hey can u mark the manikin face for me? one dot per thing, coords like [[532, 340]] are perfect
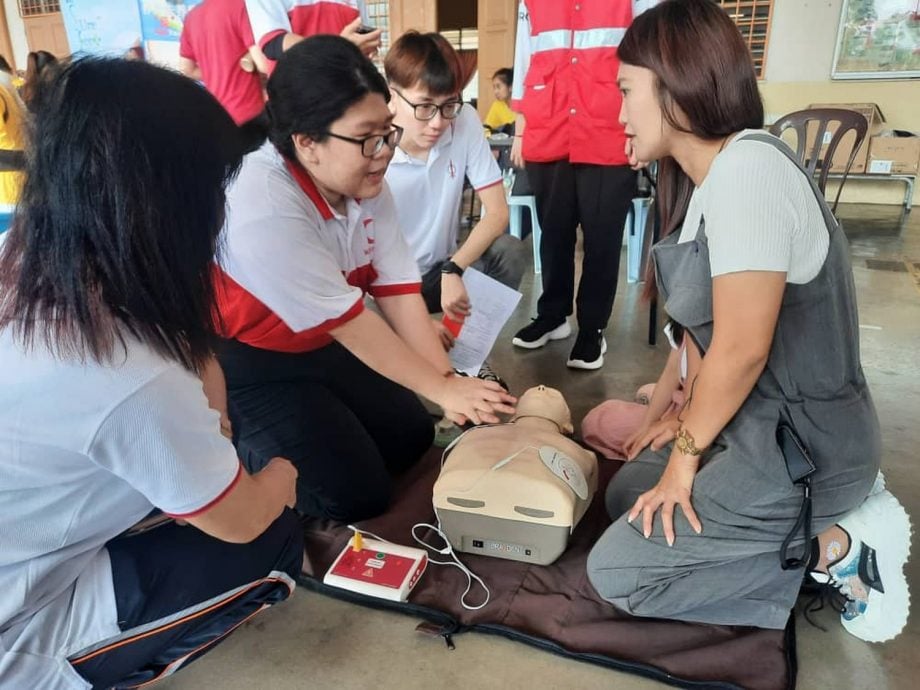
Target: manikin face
[[548, 403], [419, 134], [500, 90], [641, 113], [339, 167]]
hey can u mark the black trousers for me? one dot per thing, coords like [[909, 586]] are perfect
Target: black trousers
[[345, 427], [598, 198], [179, 592]]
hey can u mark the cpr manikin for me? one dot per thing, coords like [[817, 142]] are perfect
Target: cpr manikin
[[517, 490]]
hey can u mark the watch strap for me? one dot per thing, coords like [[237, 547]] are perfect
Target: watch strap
[[450, 267]]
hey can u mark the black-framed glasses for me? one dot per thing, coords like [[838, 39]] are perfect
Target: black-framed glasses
[[427, 111], [373, 144]]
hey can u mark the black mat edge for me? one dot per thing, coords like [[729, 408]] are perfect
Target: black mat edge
[[451, 627]]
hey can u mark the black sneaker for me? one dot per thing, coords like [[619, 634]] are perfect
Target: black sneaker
[[541, 331], [589, 350]]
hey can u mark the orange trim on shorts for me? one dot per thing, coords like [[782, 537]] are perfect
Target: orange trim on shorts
[[181, 621], [171, 667]]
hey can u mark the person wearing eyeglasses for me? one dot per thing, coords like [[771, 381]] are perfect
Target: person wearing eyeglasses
[[442, 144], [311, 374]]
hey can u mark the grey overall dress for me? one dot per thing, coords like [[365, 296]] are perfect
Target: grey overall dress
[[730, 574]]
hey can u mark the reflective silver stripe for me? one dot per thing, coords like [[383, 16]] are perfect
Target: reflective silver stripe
[[598, 38], [557, 39], [552, 40]]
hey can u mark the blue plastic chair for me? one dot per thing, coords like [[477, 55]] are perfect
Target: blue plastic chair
[[516, 205]]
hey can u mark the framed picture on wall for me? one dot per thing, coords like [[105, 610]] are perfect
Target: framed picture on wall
[[878, 39]]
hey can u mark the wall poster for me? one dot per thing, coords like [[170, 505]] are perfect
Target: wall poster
[[878, 39]]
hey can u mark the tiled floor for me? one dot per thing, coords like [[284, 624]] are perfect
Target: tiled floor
[[316, 642]]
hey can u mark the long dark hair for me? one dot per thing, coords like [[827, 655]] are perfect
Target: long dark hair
[[313, 85], [704, 69], [117, 225]]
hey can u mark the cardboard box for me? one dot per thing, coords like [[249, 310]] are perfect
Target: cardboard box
[[873, 115], [898, 155]]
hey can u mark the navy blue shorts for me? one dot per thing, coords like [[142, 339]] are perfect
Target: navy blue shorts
[[179, 592]]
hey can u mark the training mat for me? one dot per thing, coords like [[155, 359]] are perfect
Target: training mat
[[554, 607]]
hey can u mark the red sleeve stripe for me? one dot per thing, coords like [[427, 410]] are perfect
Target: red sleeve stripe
[[332, 324], [269, 36], [221, 496], [491, 184], [393, 290]]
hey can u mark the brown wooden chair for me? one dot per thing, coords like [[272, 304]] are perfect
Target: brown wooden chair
[[803, 120]]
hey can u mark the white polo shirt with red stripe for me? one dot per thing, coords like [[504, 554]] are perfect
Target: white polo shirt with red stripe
[[86, 451], [428, 193], [271, 18], [291, 268]]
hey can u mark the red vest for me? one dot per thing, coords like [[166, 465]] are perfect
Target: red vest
[[571, 100]]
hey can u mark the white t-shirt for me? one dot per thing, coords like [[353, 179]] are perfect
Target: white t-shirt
[[292, 268], [86, 451], [761, 214], [428, 193]]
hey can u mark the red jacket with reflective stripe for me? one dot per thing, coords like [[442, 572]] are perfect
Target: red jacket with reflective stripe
[[571, 101]]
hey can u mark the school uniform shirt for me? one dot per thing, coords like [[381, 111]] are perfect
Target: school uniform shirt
[[272, 18], [428, 193], [86, 451], [291, 268], [216, 34]]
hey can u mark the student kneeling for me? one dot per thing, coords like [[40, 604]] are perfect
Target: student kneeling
[[311, 230], [105, 302]]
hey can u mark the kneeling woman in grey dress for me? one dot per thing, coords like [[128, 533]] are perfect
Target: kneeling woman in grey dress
[[759, 276]]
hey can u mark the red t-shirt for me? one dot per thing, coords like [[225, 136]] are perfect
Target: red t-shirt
[[216, 35]]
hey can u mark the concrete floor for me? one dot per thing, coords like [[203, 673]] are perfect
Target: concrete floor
[[315, 642]]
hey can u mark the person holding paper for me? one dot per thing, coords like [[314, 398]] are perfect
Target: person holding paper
[[311, 230], [442, 144]]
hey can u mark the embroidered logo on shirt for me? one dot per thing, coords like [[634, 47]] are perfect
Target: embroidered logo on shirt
[[369, 236]]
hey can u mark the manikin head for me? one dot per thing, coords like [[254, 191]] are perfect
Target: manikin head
[[545, 403]]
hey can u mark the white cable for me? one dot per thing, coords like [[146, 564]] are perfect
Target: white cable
[[456, 563]]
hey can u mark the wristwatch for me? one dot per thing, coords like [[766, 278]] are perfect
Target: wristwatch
[[450, 267], [685, 443]]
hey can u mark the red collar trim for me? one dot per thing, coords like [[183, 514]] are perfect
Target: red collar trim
[[309, 188]]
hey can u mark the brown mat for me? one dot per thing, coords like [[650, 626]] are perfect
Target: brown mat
[[555, 608]]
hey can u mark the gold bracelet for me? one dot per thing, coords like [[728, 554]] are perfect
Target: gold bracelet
[[685, 443]]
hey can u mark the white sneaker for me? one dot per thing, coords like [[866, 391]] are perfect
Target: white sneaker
[[879, 484], [871, 575]]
